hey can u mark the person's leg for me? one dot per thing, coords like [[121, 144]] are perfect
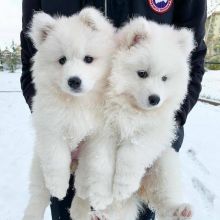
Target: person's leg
[[60, 209], [147, 214], [179, 140]]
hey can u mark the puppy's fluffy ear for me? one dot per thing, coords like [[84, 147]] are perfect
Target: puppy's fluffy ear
[[186, 40], [41, 26], [95, 20], [133, 33]]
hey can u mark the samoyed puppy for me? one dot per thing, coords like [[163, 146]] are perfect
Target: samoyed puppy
[[147, 84], [70, 69]]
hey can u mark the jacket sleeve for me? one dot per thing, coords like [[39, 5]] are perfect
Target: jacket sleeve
[[192, 14], [27, 49]]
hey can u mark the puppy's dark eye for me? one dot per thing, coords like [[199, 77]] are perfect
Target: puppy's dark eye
[[142, 73], [62, 60], [88, 59], [164, 78]]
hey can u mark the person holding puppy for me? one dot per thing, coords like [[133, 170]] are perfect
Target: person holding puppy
[[189, 14]]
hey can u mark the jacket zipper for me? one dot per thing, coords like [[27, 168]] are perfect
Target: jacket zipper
[[106, 8]]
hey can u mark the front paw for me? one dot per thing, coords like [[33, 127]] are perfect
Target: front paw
[[58, 186], [177, 212], [80, 209], [122, 191], [98, 215], [100, 201], [82, 190], [183, 212]]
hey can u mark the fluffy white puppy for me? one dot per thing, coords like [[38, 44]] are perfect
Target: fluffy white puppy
[[70, 69], [148, 83]]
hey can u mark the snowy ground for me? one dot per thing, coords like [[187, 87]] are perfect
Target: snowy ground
[[211, 85], [199, 154]]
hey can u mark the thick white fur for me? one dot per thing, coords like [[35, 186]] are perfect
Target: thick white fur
[[134, 133], [161, 188], [63, 118]]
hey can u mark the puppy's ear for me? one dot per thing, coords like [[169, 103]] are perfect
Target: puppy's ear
[[95, 20], [186, 40], [41, 26], [133, 33]]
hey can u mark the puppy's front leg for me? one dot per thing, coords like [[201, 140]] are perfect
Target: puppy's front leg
[[161, 188], [133, 157], [39, 195], [55, 158], [80, 209], [95, 171]]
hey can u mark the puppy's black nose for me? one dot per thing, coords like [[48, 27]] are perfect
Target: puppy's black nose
[[74, 82], [154, 99]]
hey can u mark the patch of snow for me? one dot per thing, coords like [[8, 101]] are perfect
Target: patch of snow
[[10, 81], [16, 144], [200, 161], [211, 85]]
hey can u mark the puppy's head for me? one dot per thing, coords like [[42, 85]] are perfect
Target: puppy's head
[[151, 65], [73, 53]]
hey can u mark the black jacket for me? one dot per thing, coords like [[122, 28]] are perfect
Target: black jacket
[[181, 13]]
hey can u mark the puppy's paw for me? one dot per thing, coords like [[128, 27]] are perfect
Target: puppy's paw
[[122, 191], [98, 215], [80, 209], [82, 190], [58, 192], [100, 202], [81, 183], [58, 187], [183, 212]]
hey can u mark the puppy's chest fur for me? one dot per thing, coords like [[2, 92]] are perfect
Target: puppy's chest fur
[[124, 122], [80, 124], [71, 121]]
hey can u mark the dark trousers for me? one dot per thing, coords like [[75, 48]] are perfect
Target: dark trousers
[[60, 209]]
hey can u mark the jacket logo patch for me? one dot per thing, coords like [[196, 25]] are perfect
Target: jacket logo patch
[[160, 6]]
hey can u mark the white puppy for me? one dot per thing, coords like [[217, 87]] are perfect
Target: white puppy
[[148, 83], [70, 69]]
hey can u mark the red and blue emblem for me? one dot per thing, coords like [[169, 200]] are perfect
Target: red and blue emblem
[[160, 6]]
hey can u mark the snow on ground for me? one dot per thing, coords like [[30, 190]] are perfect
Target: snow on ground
[[16, 143], [211, 85], [200, 157], [199, 153]]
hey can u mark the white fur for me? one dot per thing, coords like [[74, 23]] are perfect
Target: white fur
[[62, 117], [161, 187], [134, 133]]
